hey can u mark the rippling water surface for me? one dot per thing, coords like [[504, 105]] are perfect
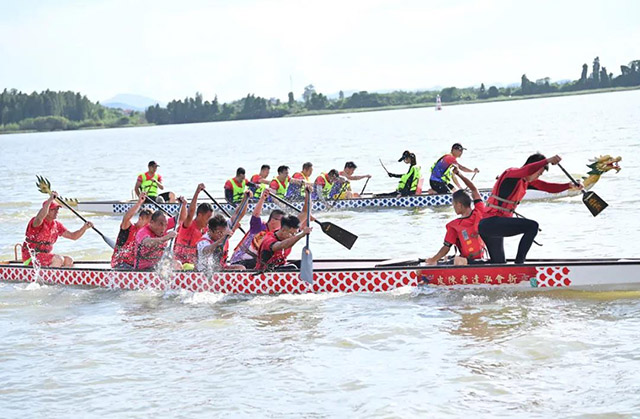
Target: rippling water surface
[[73, 352]]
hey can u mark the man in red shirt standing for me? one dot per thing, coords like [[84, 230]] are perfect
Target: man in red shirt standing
[[43, 231], [507, 193], [463, 232]]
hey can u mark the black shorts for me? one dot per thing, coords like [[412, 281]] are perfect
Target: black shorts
[[440, 187]]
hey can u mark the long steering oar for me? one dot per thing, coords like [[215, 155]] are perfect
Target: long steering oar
[[306, 261], [44, 186], [224, 211], [339, 234], [594, 203]]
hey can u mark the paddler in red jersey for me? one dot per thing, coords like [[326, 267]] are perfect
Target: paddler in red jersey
[[296, 191], [213, 247], [276, 246], [509, 189], [43, 231], [463, 232], [152, 239], [192, 229], [124, 254]]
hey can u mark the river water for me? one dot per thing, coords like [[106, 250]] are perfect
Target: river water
[[77, 352]]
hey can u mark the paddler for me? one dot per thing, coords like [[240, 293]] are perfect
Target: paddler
[[347, 173], [463, 231], [280, 184], [507, 193], [259, 182], [276, 246], [296, 191], [192, 229], [150, 182], [246, 252], [213, 247], [124, 254], [43, 231], [152, 239], [329, 185], [441, 178], [409, 182], [234, 188]]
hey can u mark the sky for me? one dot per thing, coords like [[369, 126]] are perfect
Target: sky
[[172, 49]]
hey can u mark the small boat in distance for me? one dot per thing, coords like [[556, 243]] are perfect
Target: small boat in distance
[[438, 103]]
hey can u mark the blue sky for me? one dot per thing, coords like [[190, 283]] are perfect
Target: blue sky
[[170, 49]]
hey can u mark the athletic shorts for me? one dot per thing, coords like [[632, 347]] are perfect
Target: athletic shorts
[[440, 187]]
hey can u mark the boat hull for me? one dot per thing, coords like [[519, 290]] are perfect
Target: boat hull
[[355, 276], [368, 202]]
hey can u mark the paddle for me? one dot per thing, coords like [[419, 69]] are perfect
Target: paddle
[[339, 234], [594, 203], [44, 186], [306, 261], [385, 169], [167, 256], [365, 185], [238, 214], [158, 206], [221, 208]]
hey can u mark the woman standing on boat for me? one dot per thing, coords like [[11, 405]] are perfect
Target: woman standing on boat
[[510, 188], [409, 182]]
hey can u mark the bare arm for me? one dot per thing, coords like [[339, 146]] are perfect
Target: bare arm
[[138, 187], [474, 191], [157, 241], [75, 235], [464, 169], [193, 206], [126, 220], [291, 241], [208, 250], [441, 253]]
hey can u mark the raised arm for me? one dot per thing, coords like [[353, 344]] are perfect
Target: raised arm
[[44, 210], [193, 206], [475, 194], [257, 211], [126, 220], [291, 241]]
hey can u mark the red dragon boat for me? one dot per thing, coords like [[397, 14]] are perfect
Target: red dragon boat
[[347, 276]]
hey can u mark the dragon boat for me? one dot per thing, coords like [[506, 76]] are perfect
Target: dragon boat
[[598, 166], [347, 276]]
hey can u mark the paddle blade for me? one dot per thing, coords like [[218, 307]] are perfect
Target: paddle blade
[[109, 241], [339, 234], [306, 266], [595, 204]]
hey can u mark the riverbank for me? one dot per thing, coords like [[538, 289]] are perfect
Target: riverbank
[[367, 109]]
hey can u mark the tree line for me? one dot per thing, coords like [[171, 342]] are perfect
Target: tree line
[[48, 110], [52, 111]]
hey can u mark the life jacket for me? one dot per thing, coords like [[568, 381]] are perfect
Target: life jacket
[[328, 186], [469, 242], [282, 189], [251, 247], [148, 256], [267, 258], [238, 190], [218, 258], [506, 204], [415, 171], [257, 190], [299, 189], [441, 172], [149, 185], [126, 252], [186, 250], [41, 239]]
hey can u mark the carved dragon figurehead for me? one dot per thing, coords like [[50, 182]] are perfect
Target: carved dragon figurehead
[[598, 166]]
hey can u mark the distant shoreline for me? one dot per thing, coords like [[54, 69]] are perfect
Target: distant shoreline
[[377, 109]]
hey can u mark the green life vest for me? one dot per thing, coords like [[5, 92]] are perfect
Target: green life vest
[[415, 171], [238, 191], [282, 189], [326, 190], [149, 186], [302, 187], [259, 189]]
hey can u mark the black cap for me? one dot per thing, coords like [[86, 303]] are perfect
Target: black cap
[[457, 146], [350, 165], [153, 163], [406, 154]]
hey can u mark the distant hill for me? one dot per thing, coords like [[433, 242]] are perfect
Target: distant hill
[[131, 102]]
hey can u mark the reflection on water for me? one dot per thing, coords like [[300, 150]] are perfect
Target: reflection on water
[[407, 353]]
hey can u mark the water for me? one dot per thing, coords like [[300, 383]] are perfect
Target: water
[[68, 352]]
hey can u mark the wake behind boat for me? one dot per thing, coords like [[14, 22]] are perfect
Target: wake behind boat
[[348, 276]]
